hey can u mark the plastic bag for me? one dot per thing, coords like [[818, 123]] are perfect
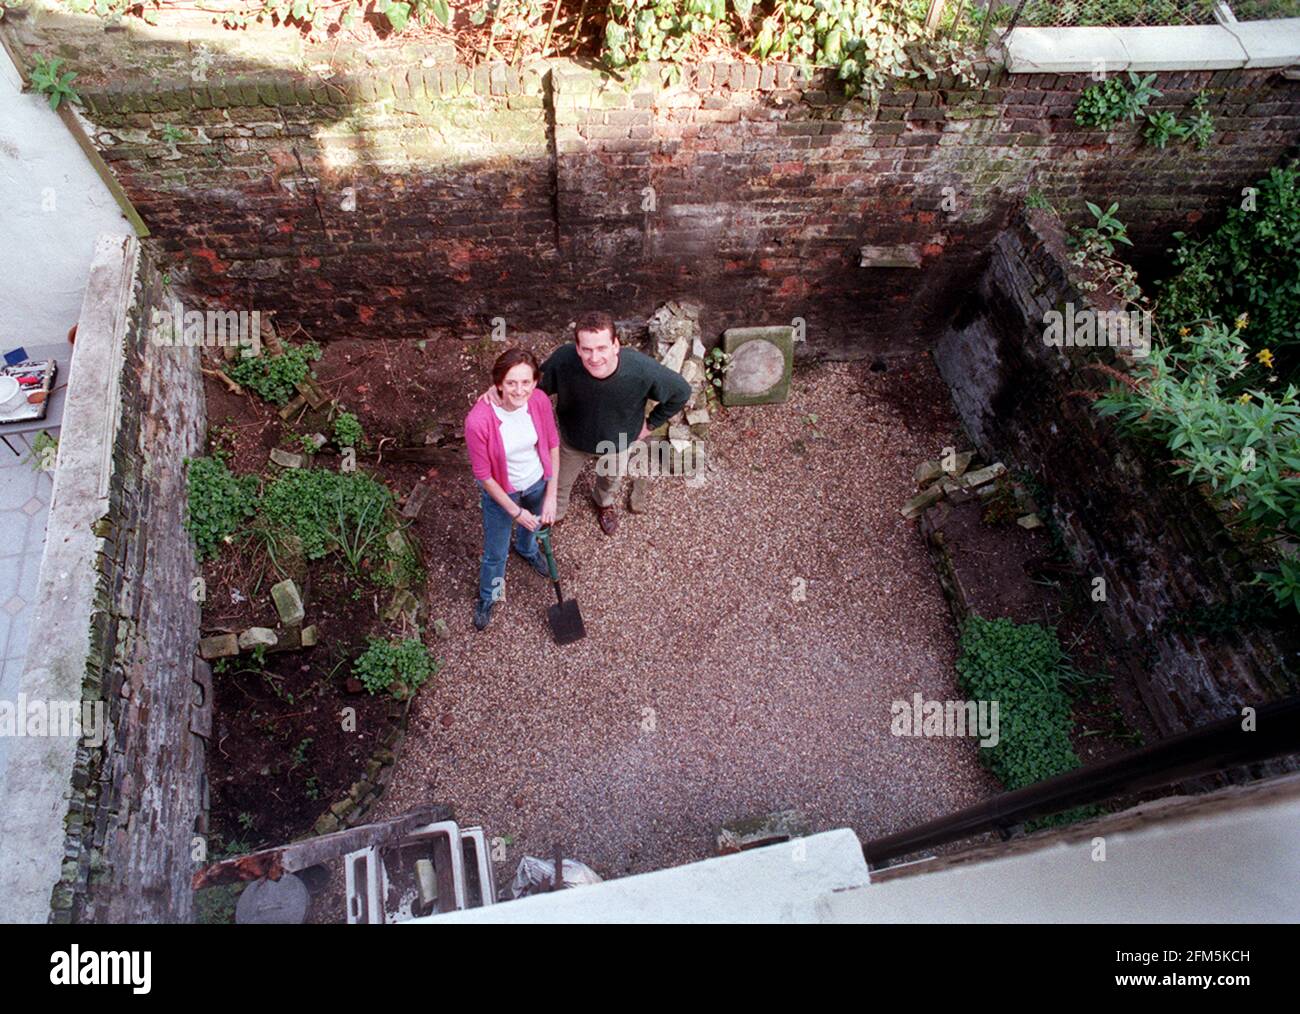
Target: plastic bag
[[535, 876]]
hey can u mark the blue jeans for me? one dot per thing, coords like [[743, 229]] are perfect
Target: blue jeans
[[496, 539]]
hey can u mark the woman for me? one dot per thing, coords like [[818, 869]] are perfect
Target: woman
[[514, 450]]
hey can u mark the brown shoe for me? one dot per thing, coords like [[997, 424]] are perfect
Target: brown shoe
[[608, 519]]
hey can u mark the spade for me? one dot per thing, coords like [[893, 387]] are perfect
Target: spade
[[564, 617]]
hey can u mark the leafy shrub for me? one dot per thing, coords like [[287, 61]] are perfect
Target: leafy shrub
[[1246, 448], [274, 377], [345, 511], [400, 667], [218, 503], [1023, 668], [1105, 104], [47, 80], [1249, 267], [869, 42], [347, 430], [1162, 127]]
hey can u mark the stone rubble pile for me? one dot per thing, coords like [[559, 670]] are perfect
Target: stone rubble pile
[[675, 331], [959, 485]]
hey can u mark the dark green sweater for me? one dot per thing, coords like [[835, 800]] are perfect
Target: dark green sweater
[[592, 411]]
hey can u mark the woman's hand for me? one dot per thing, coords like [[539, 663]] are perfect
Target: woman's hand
[[528, 519], [548, 509]]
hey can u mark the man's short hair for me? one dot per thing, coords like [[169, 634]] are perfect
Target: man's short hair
[[595, 320]]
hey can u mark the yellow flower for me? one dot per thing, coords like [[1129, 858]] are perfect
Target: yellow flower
[[1265, 357], [1244, 399], [1184, 331], [1242, 321]]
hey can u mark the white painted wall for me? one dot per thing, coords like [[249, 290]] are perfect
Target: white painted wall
[[45, 255]]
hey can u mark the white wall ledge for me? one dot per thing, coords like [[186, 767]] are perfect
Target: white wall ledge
[[1248, 44]]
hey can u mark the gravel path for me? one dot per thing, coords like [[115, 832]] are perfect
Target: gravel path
[[704, 692]]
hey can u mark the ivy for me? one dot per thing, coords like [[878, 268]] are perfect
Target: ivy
[[275, 377], [219, 503], [347, 430], [399, 667], [345, 511], [1022, 667]]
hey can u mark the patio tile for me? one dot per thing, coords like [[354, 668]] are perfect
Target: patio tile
[[13, 532], [35, 540], [17, 486]]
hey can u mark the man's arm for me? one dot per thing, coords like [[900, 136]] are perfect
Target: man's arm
[[547, 382], [670, 389]]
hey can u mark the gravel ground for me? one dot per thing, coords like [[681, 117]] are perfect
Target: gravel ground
[[704, 692]]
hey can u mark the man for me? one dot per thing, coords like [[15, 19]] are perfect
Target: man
[[601, 392]]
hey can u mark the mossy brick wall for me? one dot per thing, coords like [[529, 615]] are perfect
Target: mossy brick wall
[[137, 802], [414, 197], [1162, 550]]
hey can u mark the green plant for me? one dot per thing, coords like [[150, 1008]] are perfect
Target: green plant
[[299, 756], [1200, 125], [1105, 104], [345, 511], [347, 430], [717, 364], [44, 455], [172, 134], [1247, 270], [1035, 199], [1245, 449], [1095, 253], [312, 788], [400, 667], [307, 443], [868, 43], [219, 503], [47, 80], [1161, 127], [246, 821], [275, 377], [425, 12], [1023, 668]]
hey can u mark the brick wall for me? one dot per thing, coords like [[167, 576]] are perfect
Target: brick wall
[[1163, 552], [522, 192], [137, 802]]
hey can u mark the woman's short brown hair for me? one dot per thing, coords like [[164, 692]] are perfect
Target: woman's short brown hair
[[511, 358]]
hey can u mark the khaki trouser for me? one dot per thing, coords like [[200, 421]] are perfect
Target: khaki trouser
[[609, 477]]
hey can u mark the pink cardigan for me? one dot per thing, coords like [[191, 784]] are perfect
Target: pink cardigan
[[487, 452]]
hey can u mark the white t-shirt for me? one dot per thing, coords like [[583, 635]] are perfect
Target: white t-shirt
[[519, 435]]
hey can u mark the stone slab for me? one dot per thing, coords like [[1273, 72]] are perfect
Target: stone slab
[[762, 359]]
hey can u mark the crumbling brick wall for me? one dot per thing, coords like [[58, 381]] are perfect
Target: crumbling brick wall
[[1167, 559], [137, 802], [399, 195]]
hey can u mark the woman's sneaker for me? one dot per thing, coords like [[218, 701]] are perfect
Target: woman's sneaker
[[482, 614]]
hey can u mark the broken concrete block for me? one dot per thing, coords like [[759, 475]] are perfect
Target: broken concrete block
[[697, 349], [697, 417], [762, 359], [926, 472], [286, 459], [310, 635], [298, 402], [677, 355], [255, 637], [921, 501], [767, 829], [441, 631], [401, 602], [415, 500], [900, 256], [218, 646], [961, 462], [1030, 521], [693, 372], [973, 480], [288, 603], [396, 542]]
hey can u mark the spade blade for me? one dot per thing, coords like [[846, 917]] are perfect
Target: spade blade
[[566, 622]]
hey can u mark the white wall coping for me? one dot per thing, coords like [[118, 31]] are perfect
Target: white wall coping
[[1249, 44]]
